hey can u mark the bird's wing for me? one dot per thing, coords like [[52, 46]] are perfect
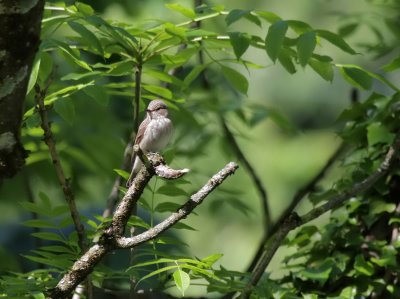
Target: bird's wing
[[138, 139], [141, 130]]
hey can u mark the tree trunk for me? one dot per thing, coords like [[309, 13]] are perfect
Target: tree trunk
[[19, 40]]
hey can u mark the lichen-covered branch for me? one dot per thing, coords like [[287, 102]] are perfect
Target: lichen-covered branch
[[112, 236], [182, 212], [19, 40], [294, 221]]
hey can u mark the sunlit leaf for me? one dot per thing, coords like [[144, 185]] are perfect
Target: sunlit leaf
[[34, 74], [392, 65], [378, 133], [122, 173], [299, 27], [363, 267], [182, 280], [187, 12]]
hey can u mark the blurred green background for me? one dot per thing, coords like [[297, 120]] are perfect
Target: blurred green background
[[284, 157]]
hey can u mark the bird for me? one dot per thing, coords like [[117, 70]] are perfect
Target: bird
[[153, 135]]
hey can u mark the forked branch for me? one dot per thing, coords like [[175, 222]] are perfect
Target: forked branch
[[112, 237]]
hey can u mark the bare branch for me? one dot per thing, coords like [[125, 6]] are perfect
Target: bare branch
[[294, 221], [182, 212], [255, 178], [112, 239], [64, 182]]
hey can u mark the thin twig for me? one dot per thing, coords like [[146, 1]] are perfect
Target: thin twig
[[294, 221], [64, 182], [112, 237], [300, 194], [251, 171]]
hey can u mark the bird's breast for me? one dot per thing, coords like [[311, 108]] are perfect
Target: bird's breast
[[157, 135]]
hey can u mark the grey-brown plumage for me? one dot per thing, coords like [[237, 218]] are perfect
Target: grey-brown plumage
[[153, 134]]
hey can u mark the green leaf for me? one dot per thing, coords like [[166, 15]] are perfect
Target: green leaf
[[89, 37], [175, 30], [211, 259], [393, 65], [363, 267], [193, 74], [98, 93], [66, 109], [275, 37], [268, 16], [236, 79], [298, 26], [33, 207], [347, 29], [72, 55], [167, 207], [182, 280], [159, 91], [79, 76], [39, 223], [378, 133], [181, 225], [322, 68], [162, 76], [240, 43], [38, 295], [48, 236], [85, 9], [122, 173], [171, 190], [187, 12], [286, 61], [253, 18], [46, 66], [356, 76], [33, 121], [34, 74], [235, 15], [320, 271], [138, 222], [305, 47], [379, 206], [336, 40]]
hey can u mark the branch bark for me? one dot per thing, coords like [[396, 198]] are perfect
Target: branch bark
[[19, 40], [294, 221], [64, 182], [112, 237]]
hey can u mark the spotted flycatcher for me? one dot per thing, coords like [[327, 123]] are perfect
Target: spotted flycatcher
[[153, 134]]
